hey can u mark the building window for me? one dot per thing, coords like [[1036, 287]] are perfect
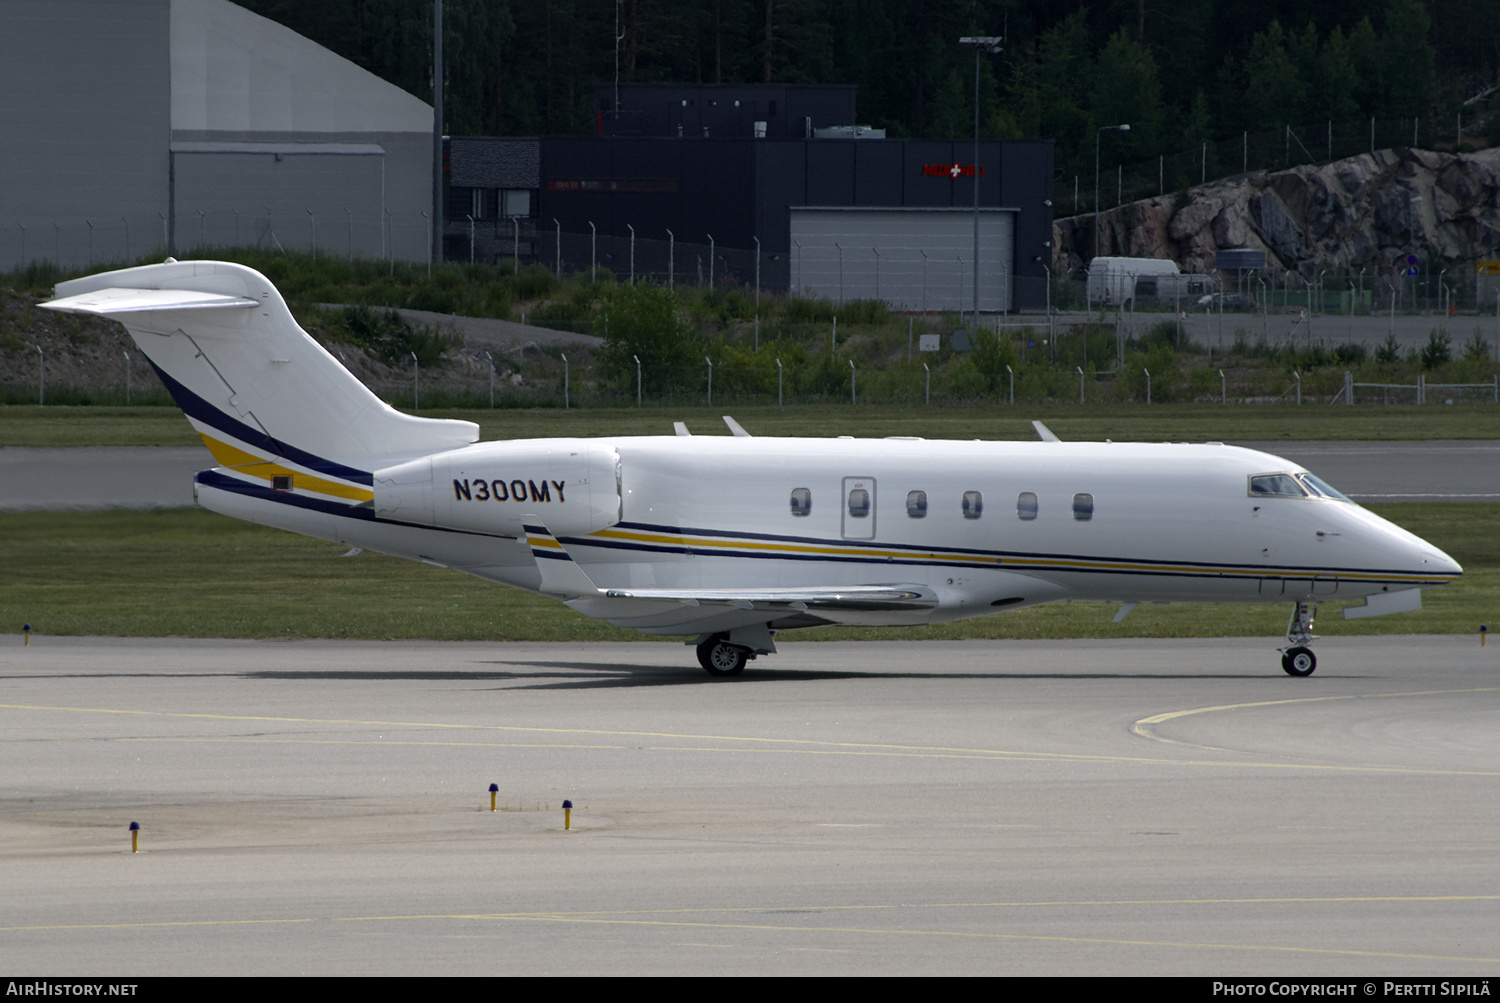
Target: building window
[[916, 504], [517, 201], [973, 504], [476, 203], [801, 501], [1083, 507], [1026, 504]]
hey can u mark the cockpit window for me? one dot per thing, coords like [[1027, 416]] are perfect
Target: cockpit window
[[1300, 485], [1276, 486], [1322, 488]]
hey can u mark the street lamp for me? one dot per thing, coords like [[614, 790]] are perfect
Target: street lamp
[[980, 44], [1097, 136]]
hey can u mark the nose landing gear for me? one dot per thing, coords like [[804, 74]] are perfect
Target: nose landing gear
[[1297, 658]]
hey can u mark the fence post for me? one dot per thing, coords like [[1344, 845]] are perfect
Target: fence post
[[927, 392], [1080, 384], [778, 383], [565, 380], [1148, 384], [1012, 398], [1223, 389], [852, 398], [637, 359], [710, 380], [1348, 387]]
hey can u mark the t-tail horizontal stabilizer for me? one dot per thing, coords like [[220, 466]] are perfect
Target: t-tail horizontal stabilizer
[[561, 575]]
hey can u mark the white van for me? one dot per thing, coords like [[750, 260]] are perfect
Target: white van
[[1112, 281]]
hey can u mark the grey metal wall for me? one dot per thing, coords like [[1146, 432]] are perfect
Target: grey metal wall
[[335, 197], [85, 102], [919, 259], [102, 161]]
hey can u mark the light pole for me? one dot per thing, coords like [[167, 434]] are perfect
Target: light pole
[[840, 248], [980, 44], [757, 275], [1097, 136]]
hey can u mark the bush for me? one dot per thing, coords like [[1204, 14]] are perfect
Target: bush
[[394, 339], [1437, 351], [642, 322], [1388, 350]]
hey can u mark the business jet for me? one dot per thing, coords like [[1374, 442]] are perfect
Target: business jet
[[729, 539]]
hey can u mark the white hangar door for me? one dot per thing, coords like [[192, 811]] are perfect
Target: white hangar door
[[919, 259]]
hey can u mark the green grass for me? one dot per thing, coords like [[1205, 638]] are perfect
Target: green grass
[[192, 573], [30, 425]]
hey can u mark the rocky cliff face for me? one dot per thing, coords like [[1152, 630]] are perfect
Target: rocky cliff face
[[1368, 211]]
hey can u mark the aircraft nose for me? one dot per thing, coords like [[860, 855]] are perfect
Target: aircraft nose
[[1441, 563]]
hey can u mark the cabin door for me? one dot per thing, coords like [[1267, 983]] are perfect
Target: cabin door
[[859, 508]]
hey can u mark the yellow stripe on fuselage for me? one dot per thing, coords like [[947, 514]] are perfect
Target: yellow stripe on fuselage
[[258, 466], [702, 543], [772, 549]]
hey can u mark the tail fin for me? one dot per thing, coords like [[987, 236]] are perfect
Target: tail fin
[[257, 388]]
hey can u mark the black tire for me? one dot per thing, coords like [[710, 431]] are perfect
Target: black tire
[[720, 658], [1299, 661]]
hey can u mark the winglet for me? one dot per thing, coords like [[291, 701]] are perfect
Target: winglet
[[1044, 432], [561, 575]]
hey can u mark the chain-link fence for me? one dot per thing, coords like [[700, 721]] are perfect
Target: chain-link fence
[[1273, 150]]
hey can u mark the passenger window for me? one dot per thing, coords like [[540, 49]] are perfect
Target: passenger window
[[801, 501], [1083, 507], [916, 504], [973, 504], [859, 503], [1026, 504]]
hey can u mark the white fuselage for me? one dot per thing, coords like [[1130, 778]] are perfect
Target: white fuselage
[[997, 524]]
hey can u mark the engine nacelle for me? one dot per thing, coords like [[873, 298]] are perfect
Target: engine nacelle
[[572, 485]]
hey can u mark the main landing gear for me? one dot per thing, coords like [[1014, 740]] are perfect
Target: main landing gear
[[720, 657], [1297, 658]]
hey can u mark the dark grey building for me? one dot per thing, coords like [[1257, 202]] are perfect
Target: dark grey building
[[132, 126], [838, 218]]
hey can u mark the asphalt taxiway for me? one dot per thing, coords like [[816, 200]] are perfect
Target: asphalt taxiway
[[1083, 807]]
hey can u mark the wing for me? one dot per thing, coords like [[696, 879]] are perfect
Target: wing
[[562, 576], [863, 598]]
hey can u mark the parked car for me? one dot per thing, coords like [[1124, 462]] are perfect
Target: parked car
[[1231, 301]]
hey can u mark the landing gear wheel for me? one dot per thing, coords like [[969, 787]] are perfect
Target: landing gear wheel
[[1299, 661], [721, 658]]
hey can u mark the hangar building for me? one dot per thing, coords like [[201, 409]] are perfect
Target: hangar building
[[137, 125]]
